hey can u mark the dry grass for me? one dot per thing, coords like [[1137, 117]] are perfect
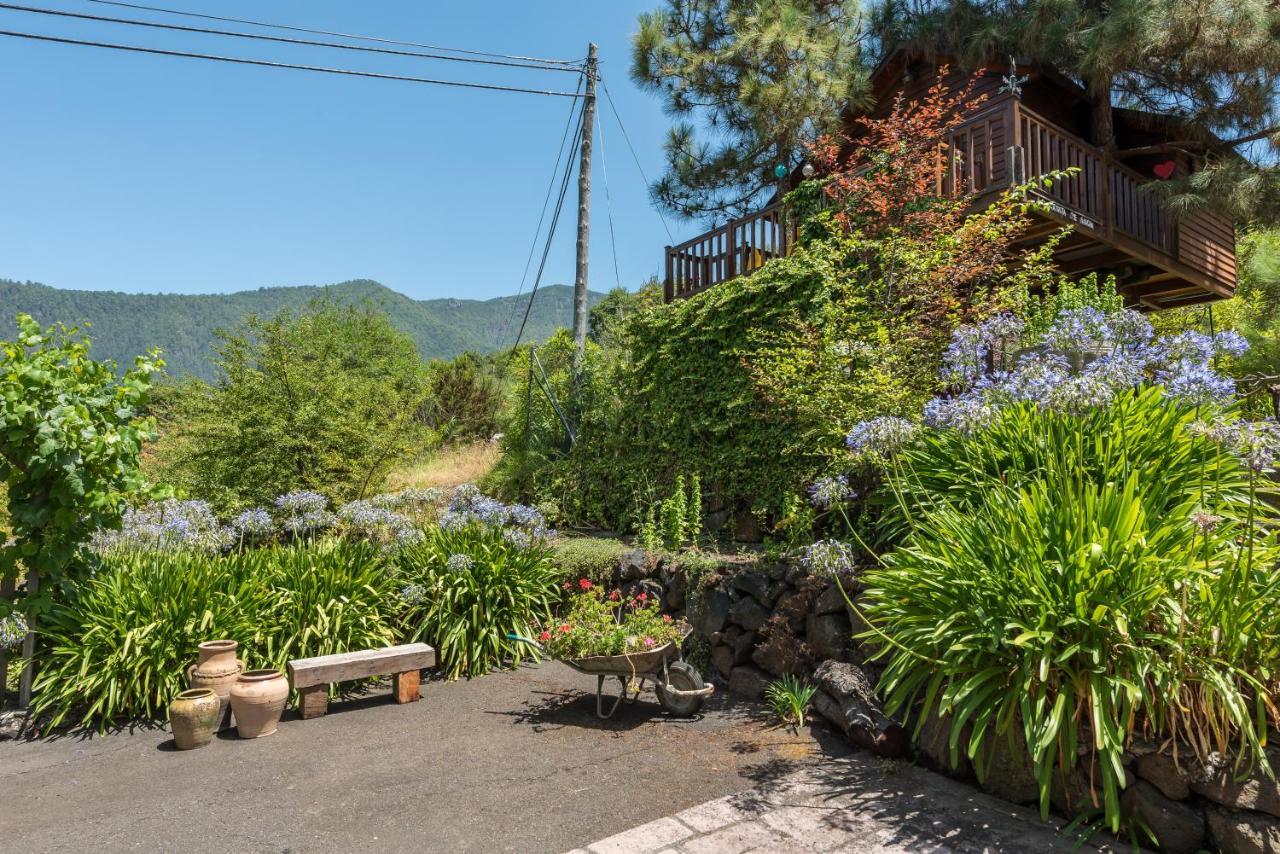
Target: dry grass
[[448, 468]]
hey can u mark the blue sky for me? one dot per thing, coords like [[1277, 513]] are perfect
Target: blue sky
[[155, 174]]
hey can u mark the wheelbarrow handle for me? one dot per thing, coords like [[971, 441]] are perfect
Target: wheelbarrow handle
[[530, 641]]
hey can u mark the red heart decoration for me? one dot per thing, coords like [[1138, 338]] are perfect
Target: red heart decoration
[[1165, 169]]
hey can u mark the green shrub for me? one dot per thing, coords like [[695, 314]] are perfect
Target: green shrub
[[592, 558], [117, 646], [466, 587], [321, 399], [1072, 580]]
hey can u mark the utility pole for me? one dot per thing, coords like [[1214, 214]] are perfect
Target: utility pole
[[584, 206]]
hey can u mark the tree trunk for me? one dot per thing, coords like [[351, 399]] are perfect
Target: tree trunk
[[1102, 119]]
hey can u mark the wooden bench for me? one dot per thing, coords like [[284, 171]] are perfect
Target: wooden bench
[[310, 677]]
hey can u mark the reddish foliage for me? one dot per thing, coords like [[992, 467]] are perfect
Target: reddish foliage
[[917, 232]]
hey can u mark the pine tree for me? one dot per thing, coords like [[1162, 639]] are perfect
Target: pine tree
[[1213, 65], [757, 80]]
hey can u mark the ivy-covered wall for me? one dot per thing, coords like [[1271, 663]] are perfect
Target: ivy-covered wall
[[672, 394], [698, 408]]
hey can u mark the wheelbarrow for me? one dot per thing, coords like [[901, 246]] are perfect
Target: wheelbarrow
[[677, 683]]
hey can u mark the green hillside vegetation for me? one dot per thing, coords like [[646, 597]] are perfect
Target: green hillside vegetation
[[182, 326]]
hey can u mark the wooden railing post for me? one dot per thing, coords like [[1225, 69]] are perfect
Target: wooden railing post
[[668, 284], [731, 250], [1108, 212]]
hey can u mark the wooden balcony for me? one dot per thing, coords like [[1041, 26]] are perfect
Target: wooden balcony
[[1119, 225]]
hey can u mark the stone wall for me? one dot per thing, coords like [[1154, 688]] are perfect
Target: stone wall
[[762, 620]]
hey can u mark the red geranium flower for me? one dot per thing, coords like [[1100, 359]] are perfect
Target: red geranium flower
[[584, 583], [643, 597], [566, 628], [614, 596], [545, 636]]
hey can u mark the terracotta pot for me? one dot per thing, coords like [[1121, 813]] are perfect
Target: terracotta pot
[[193, 718], [218, 668], [258, 699]]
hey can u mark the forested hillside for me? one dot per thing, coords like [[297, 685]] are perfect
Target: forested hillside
[[125, 325]]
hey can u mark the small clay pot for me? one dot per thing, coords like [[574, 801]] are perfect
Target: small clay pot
[[218, 668], [193, 718], [258, 699]]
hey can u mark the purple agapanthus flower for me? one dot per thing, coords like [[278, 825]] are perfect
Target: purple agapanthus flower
[[253, 523], [13, 630], [827, 492], [884, 436], [828, 557], [1195, 382]]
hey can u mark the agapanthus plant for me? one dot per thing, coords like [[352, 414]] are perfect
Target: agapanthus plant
[[169, 525], [468, 505], [304, 512], [1085, 494], [376, 524]]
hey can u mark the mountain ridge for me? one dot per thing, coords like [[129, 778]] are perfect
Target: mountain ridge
[[124, 325]]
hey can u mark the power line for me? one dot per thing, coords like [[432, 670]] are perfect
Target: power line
[[634, 156], [313, 32], [62, 13], [236, 60], [608, 203], [551, 232], [546, 201]]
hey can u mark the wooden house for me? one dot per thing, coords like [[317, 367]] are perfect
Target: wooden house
[[1119, 226]]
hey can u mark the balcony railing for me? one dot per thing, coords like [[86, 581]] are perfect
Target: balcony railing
[[1003, 144]]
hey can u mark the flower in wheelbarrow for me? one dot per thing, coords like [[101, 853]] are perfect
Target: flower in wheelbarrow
[[615, 596], [648, 641], [666, 618]]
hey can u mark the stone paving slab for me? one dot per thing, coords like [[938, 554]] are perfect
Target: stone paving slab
[[853, 804]]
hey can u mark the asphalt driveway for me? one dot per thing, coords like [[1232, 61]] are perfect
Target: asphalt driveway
[[509, 762]]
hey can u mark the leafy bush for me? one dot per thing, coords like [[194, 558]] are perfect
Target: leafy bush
[[599, 624], [465, 399], [118, 645], [592, 558], [468, 585], [71, 434], [322, 399]]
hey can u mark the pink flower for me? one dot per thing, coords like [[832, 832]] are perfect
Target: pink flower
[[648, 641], [666, 618], [643, 597]]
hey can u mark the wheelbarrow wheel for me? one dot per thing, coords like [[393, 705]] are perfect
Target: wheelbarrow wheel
[[682, 676]]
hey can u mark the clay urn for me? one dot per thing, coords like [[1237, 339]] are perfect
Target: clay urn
[[193, 718], [218, 668], [258, 699]]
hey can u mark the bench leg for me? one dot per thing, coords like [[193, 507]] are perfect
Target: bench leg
[[313, 702], [406, 686]]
